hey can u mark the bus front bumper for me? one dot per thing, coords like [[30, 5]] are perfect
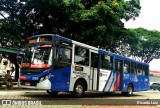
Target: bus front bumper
[[46, 85]]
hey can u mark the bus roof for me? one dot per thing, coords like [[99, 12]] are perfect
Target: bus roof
[[40, 35]]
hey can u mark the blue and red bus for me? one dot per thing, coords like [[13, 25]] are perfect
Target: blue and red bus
[[58, 64]]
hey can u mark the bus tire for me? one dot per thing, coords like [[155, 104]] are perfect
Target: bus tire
[[79, 89], [130, 90], [52, 93]]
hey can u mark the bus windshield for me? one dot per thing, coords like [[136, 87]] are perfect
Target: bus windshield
[[40, 54]]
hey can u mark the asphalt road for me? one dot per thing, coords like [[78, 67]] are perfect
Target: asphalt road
[[39, 98]]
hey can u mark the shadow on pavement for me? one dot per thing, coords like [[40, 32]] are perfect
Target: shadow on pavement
[[68, 95], [88, 99]]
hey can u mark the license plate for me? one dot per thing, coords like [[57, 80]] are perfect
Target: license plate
[[27, 83], [34, 78]]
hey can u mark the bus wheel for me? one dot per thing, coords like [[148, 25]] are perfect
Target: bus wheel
[[52, 93], [78, 89], [130, 90]]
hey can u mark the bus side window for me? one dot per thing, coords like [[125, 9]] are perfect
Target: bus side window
[[145, 70], [139, 69], [126, 67], [81, 56], [118, 66], [63, 52], [133, 68], [94, 60], [66, 55], [107, 62]]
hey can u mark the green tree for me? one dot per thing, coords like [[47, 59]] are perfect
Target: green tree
[[143, 44], [95, 22], [128, 45], [10, 37], [10, 29]]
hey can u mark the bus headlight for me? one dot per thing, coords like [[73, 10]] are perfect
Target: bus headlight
[[41, 79], [44, 78]]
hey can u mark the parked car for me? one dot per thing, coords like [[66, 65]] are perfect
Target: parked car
[[155, 86]]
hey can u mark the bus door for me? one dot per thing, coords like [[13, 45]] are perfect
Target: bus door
[[118, 75], [106, 81], [93, 70]]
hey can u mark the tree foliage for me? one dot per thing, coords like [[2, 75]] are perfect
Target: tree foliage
[[94, 22], [142, 44]]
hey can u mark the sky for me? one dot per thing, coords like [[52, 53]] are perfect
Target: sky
[[149, 18]]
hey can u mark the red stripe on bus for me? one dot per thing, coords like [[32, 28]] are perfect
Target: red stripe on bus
[[117, 83]]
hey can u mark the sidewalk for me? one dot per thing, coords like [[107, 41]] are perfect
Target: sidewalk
[[15, 86]]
